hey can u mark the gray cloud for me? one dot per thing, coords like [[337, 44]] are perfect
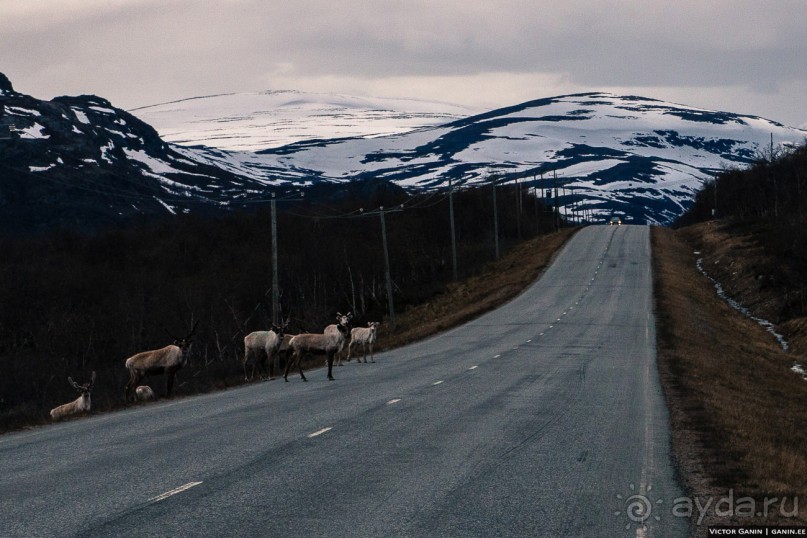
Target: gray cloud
[[138, 52]]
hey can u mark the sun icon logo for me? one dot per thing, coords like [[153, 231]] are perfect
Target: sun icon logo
[[638, 508]]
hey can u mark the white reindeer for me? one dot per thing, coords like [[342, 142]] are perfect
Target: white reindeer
[[263, 346], [328, 344], [166, 360], [364, 336], [79, 405], [332, 330], [144, 393]]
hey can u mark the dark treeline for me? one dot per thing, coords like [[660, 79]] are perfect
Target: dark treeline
[[72, 304], [770, 198]]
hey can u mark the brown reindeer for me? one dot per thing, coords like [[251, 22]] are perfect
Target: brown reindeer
[[328, 344], [79, 405], [167, 360]]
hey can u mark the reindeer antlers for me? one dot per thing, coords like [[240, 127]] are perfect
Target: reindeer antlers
[[195, 325], [86, 386]]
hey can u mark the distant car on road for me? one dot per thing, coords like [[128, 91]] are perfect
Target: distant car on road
[[615, 221]]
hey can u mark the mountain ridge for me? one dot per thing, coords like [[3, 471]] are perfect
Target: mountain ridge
[[80, 162]]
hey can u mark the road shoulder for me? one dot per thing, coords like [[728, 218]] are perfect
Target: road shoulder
[[736, 408]]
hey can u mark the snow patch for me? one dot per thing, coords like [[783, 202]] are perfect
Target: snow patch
[[102, 109], [41, 168], [261, 120], [17, 111], [166, 206], [770, 327], [105, 152], [35, 132], [155, 165], [81, 116]]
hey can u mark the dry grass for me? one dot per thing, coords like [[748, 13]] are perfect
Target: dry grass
[[733, 253], [738, 416]]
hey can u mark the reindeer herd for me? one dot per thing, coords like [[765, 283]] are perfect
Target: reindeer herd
[[260, 350]]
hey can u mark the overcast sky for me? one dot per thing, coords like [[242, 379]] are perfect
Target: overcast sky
[[741, 56]]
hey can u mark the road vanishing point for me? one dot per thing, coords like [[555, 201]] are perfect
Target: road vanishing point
[[543, 418]]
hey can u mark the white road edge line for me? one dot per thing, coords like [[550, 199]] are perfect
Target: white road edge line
[[174, 491], [319, 432]]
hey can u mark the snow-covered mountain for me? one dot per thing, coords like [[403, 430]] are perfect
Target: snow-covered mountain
[[81, 162], [637, 157], [261, 120]]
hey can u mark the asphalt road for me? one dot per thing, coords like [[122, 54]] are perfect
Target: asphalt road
[[542, 418]]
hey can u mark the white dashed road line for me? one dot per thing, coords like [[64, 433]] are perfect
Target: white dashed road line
[[319, 432], [173, 492]]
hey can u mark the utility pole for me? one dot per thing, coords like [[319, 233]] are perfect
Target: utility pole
[[556, 216], [775, 185], [381, 212], [495, 222], [535, 193], [275, 285], [518, 207], [275, 279], [714, 211], [386, 268], [453, 230], [565, 204]]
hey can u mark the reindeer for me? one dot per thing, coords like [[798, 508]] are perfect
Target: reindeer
[[331, 330], [328, 344], [79, 405], [363, 336], [144, 393], [166, 360], [263, 346]]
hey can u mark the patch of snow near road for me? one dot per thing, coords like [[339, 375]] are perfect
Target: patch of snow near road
[[770, 327]]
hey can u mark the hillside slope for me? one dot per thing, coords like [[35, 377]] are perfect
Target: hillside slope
[[81, 163]]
